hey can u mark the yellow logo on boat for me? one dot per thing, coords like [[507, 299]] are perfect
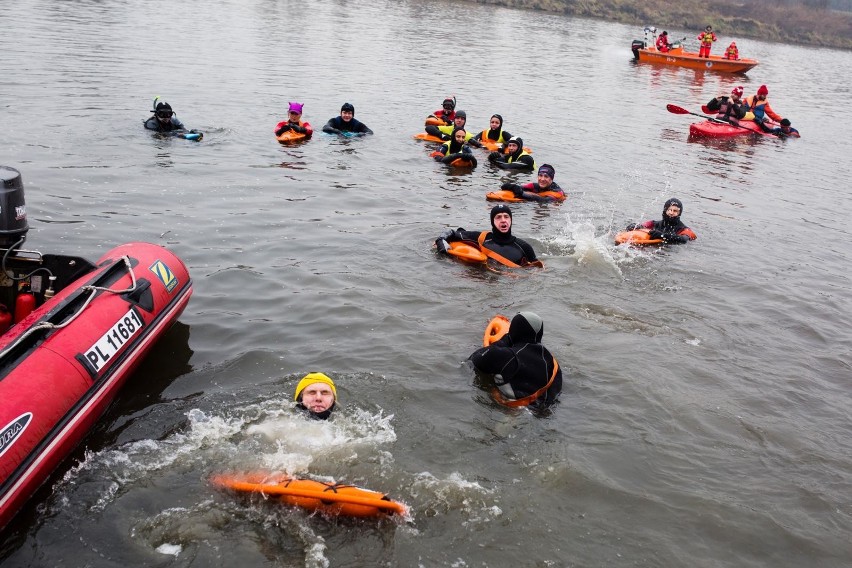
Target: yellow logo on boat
[[165, 275]]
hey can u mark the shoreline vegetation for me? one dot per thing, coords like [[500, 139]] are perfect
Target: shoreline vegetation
[[803, 22]]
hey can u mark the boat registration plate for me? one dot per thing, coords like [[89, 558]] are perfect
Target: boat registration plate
[[111, 342]]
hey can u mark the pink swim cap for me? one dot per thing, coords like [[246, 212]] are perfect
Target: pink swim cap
[[296, 107]]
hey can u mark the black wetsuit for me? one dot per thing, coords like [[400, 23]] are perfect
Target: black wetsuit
[[521, 365], [509, 247], [337, 125], [173, 124]]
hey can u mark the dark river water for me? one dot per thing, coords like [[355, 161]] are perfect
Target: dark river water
[[706, 416]]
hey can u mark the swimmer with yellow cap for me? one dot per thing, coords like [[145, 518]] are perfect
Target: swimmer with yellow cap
[[317, 395]]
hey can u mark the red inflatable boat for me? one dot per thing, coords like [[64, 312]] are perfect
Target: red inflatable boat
[[80, 330]]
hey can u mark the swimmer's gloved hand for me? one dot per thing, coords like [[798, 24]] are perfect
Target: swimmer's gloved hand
[[632, 227], [654, 234], [442, 245]]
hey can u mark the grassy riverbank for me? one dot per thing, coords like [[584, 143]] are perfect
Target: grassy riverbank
[[803, 22]]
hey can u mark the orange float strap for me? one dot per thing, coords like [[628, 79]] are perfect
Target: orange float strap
[[328, 498], [527, 400], [433, 120], [495, 330], [493, 255]]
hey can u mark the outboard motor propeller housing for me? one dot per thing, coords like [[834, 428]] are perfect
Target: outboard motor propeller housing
[[13, 208], [636, 46]]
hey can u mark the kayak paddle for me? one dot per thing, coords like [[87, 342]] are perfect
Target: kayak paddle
[[678, 110]]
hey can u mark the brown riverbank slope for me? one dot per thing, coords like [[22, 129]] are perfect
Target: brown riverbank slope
[[804, 22]]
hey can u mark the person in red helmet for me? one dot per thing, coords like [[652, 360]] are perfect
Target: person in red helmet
[[730, 109], [706, 38]]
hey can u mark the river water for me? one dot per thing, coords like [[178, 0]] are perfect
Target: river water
[[705, 418]]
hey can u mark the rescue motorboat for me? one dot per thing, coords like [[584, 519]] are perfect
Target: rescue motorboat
[[71, 333], [646, 51]]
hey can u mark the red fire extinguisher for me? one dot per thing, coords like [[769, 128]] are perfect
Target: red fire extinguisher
[[24, 305], [5, 318]]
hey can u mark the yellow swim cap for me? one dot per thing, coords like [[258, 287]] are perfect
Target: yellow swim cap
[[312, 378]]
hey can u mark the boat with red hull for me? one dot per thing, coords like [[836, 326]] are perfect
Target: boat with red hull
[[79, 333]]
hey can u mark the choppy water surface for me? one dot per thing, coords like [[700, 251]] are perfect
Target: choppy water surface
[[705, 418]]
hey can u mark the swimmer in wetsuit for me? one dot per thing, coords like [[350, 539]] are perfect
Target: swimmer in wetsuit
[[515, 158], [346, 123], [525, 372], [499, 244], [316, 395], [294, 122], [495, 133], [670, 228], [532, 191], [455, 149]]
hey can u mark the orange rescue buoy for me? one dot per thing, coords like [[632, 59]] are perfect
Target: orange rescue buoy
[[327, 498], [496, 328]]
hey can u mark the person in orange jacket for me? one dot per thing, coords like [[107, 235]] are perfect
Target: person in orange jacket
[[759, 106], [732, 52], [706, 38]]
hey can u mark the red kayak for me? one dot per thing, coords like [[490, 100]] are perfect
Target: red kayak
[[713, 129]]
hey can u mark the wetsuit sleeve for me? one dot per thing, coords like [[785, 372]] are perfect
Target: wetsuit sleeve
[[177, 124], [331, 127], [152, 124], [363, 128], [529, 253], [433, 130], [714, 104], [282, 127], [492, 359], [507, 136], [522, 163], [308, 129]]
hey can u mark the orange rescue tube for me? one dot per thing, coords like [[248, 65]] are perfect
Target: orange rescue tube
[[428, 137], [467, 252], [508, 196], [638, 237], [291, 136], [496, 328], [494, 146], [435, 121], [327, 498]]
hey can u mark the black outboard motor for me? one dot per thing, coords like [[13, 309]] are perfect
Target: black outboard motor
[[636, 46], [13, 209]]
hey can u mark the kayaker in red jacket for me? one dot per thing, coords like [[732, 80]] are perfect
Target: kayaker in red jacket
[[663, 45], [707, 37]]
